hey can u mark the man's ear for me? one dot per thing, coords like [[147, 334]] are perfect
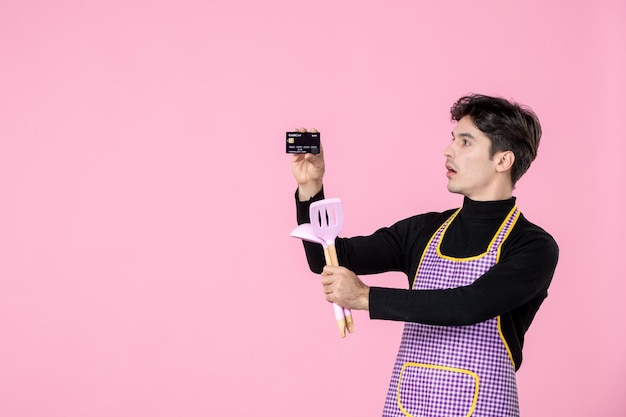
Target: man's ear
[[505, 160]]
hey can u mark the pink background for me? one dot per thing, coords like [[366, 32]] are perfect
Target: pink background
[[145, 262]]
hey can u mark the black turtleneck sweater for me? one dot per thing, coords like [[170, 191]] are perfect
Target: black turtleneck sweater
[[512, 289]]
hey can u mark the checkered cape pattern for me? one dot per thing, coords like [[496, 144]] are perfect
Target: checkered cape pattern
[[450, 371]]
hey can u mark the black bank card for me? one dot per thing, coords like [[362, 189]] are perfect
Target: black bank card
[[303, 142]]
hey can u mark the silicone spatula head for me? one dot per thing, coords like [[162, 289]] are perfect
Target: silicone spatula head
[[327, 219], [305, 232]]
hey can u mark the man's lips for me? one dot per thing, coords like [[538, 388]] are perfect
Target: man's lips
[[450, 169]]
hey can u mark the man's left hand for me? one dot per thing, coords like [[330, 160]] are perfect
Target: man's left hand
[[343, 287]]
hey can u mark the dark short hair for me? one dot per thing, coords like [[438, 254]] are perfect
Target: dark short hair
[[509, 125]]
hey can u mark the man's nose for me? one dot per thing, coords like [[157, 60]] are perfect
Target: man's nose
[[448, 151]]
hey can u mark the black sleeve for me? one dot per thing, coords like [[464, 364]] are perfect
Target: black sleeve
[[523, 274], [383, 251], [520, 279], [314, 251]]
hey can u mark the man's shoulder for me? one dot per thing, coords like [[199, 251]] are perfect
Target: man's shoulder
[[531, 227], [531, 233]]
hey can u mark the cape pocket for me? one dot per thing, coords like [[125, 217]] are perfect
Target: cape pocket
[[434, 390]]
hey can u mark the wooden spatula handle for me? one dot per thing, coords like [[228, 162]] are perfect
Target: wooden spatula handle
[[334, 260], [349, 320], [327, 257], [339, 314]]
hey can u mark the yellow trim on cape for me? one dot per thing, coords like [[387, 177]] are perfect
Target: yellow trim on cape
[[445, 226], [506, 345], [493, 240]]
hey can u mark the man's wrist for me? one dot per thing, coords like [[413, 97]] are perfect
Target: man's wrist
[[308, 191], [366, 299]]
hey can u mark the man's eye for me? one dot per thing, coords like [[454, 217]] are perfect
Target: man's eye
[[466, 142]]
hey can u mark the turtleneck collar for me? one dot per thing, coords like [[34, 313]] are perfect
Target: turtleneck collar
[[487, 209]]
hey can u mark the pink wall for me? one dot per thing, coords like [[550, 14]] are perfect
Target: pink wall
[[145, 262]]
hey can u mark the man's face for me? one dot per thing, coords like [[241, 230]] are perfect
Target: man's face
[[470, 170]]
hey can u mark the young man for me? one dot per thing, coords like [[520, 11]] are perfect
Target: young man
[[477, 275]]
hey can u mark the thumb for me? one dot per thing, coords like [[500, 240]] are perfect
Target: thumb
[[331, 270]]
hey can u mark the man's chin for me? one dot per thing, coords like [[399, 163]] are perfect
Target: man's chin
[[454, 190]]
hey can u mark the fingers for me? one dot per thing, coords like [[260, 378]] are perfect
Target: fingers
[[328, 281], [329, 294], [330, 277], [303, 130], [315, 158], [343, 287]]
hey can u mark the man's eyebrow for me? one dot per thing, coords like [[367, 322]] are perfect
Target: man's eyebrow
[[464, 135]]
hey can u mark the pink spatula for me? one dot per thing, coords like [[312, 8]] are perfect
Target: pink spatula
[[305, 232], [327, 221]]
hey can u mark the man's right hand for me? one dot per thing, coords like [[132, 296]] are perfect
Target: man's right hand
[[308, 170]]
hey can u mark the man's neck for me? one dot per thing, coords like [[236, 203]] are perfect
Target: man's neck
[[495, 193]]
